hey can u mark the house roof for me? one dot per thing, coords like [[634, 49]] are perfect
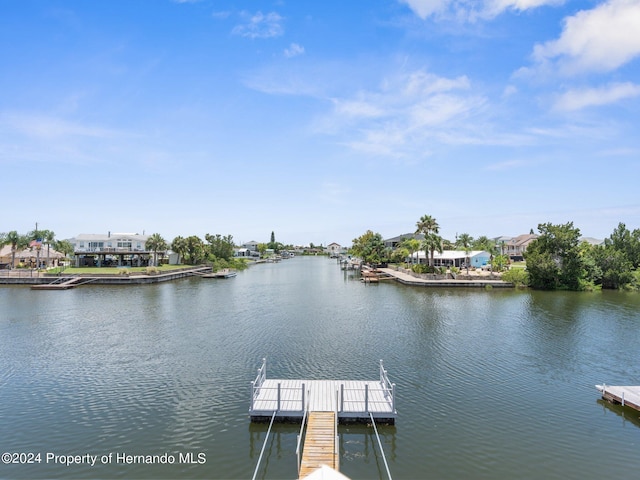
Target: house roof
[[523, 239], [399, 238], [102, 237], [455, 254], [5, 252], [591, 240]]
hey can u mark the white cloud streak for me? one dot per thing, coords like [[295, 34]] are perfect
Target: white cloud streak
[[471, 10], [406, 115], [260, 25], [293, 50], [578, 99], [598, 40]]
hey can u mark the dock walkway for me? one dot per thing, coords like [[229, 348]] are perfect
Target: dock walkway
[[627, 396], [64, 284], [320, 444]]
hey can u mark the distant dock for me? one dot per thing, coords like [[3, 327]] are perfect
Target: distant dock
[[627, 396]]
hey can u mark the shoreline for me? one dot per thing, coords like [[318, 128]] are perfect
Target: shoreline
[[104, 279]]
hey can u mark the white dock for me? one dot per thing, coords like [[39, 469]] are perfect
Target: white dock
[[627, 396], [352, 400]]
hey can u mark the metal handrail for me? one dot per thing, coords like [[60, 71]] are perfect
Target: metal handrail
[[336, 442], [304, 418], [368, 401], [255, 473], [384, 458], [262, 374]]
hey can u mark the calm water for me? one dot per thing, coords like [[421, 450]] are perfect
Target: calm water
[[491, 384]]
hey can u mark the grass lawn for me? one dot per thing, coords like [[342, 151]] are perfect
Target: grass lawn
[[113, 270]]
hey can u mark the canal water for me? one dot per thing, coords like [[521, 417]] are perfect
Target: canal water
[[491, 384]]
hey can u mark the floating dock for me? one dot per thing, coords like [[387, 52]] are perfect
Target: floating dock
[[627, 396], [352, 400], [319, 405]]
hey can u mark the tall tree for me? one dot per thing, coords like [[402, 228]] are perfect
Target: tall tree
[[47, 237], [179, 245], [156, 244], [17, 242], [427, 226], [219, 246], [412, 245], [554, 260], [485, 243], [64, 246], [432, 243], [369, 247], [195, 249], [464, 241]]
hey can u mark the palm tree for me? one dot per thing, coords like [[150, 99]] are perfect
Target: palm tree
[[179, 245], [431, 243], [464, 241], [16, 241], [45, 236], [488, 245], [427, 226], [156, 244], [411, 244]]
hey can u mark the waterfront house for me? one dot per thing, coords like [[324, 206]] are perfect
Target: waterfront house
[[30, 256], [251, 246], [335, 250], [454, 258], [516, 246], [395, 242], [117, 249]]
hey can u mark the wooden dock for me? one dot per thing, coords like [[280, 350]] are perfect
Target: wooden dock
[[320, 443], [65, 283], [319, 405], [627, 396]]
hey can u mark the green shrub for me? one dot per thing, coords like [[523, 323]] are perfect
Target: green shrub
[[518, 276]]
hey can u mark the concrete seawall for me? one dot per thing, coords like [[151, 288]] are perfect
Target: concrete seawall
[[134, 279], [408, 279]]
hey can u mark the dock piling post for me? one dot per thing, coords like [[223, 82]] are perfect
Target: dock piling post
[[366, 397], [253, 393], [622, 398], [278, 396], [342, 397], [393, 397], [302, 397]]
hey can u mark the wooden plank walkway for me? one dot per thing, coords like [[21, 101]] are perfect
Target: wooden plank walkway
[[629, 396], [64, 285], [320, 443]]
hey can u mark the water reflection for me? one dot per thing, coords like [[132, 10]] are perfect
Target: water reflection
[[487, 381]]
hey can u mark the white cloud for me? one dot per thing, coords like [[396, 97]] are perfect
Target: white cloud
[[293, 50], [597, 40], [42, 126], [260, 25], [426, 8], [589, 97], [405, 115], [472, 9], [507, 165]]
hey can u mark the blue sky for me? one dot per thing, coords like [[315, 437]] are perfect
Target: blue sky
[[319, 120]]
